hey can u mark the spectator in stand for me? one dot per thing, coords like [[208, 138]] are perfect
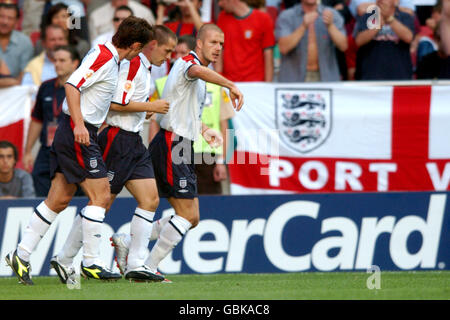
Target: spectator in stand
[[359, 7], [435, 65], [77, 12], [59, 15], [445, 27], [120, 14], [45, 118], [384, 46], [424, 42], [249, 38], [101, 19], [14, 183], [41, 68], [308, 35], [16, 49], [184, 19]]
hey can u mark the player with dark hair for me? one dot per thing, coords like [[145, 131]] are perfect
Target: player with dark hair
[[76, 157], [171, 150]]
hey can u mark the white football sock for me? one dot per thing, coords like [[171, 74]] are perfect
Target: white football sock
[[171, 234], [40, 221], [73, 243], [140, 231], [92, 234], [157, 227]]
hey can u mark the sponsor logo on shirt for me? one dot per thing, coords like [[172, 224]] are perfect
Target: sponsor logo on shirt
[[248, 34]]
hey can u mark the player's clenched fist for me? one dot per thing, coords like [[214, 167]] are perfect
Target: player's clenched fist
[[159, 106], [81, 135]]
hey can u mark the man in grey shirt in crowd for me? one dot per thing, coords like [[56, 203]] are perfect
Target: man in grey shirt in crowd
[[308, 35], [16, 49], [14, 183]]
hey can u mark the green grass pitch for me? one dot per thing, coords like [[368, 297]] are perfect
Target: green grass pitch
[[288, 286]]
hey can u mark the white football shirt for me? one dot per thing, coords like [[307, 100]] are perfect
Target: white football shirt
[[186, 97], [133, 85], [96, 79]]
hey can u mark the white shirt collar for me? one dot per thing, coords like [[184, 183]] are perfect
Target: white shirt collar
[[145, 61], [113, 50]]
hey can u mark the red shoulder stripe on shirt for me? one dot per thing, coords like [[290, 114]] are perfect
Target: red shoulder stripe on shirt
[[104, 56], [189, 58], [134, 67]]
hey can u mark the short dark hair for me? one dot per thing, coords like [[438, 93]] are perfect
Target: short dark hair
[[189, 40], [12, 6], [132, 30], [74, 55], [162, 34], [124, 8], [4, 144]]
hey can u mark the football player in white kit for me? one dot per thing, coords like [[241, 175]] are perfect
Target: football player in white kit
[[126, 157], [171, 149], [76, 157]]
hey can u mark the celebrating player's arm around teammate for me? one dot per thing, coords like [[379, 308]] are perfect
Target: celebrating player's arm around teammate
[[76, 157], [171, 149]]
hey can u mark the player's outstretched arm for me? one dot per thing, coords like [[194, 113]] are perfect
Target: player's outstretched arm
[[158, 106], [208, 75]]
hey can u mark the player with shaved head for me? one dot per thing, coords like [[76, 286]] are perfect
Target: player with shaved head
[[171, 150]]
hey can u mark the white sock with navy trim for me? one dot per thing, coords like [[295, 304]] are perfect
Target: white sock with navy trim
[[171, 234], [91, 226], [140, 232], [40, 221]]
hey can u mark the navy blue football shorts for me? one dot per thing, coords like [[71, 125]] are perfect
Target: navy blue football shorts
[[125, 156], [173, 162], [75, 161]]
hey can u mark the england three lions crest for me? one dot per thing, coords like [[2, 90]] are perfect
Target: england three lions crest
[[303, 117]]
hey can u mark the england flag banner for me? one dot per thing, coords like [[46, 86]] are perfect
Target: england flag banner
[[15, 111], [343, 137]]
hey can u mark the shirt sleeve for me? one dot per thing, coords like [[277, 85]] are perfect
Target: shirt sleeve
[[338, 21], [27, 186], [125, 87], [188, 61], [91, 70], [38, 112], [283, 26], [27, 54], [269, 37]]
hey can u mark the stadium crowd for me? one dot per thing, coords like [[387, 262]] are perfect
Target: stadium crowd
[[266, 40]]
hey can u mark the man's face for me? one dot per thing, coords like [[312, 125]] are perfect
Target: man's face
[[212, 45], [54, 37], [161, 53], [226, 5], [64, 65], [8, 20], [7, 161], [119, 16], [181, 50]]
